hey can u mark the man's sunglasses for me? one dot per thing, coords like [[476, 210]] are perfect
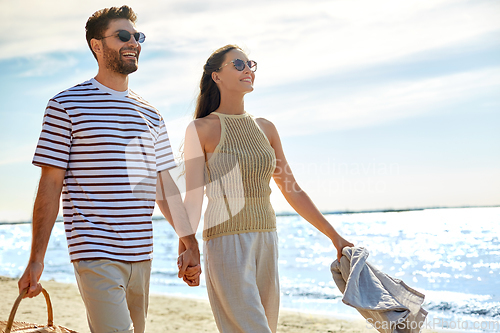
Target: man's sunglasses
[[240, 64], [125, 36]]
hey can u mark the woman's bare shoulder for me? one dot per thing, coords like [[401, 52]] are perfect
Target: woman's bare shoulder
[[208, 130], [264, 122], [266, 125], [206, 124], [268, 128]]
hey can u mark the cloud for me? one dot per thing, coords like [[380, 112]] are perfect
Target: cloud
[[334, 34], [295, 39], [37, 27], [12, 154], [40, 65], [292, 40], [295, 43], [374, 104]]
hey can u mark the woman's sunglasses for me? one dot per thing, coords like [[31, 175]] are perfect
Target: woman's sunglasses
[[125, 36], [240, 64]]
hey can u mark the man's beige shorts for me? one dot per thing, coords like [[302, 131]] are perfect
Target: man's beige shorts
[[115, 294]]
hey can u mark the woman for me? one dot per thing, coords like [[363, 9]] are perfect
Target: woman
[[235, 156]]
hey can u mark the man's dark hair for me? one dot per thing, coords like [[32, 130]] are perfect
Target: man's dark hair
[[99, 21]]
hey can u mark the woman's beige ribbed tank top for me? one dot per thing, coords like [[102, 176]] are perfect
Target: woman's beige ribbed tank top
[[237, 178]]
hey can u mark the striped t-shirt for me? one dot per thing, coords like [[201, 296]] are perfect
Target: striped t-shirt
[[111, 144]]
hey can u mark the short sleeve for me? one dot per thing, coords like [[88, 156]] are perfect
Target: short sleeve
[[163, 150], [54, 143]]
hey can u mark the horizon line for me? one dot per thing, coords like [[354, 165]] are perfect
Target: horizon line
[[333, 212]]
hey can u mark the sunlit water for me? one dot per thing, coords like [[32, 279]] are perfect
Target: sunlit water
[[451, 255]]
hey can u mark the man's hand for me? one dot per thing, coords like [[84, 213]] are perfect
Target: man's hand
[[189, 260], [30, 279], [190, 274]]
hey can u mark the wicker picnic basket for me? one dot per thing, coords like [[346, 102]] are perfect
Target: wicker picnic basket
[[18, 326]]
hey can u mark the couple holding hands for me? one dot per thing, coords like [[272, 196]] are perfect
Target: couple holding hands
[[108, 152]]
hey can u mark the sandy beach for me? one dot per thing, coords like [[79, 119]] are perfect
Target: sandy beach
[[166, 314]]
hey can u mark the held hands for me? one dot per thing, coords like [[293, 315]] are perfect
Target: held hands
[[190, 274], [188, 263], [30, 279]]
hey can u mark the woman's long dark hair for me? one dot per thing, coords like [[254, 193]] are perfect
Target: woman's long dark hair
[[209, 98]]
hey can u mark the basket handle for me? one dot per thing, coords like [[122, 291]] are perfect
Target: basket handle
[[18, 301]]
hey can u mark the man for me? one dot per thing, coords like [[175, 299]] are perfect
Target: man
[[107, 150]]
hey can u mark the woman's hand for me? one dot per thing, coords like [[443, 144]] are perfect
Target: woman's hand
[[190, 274], [339, 242]]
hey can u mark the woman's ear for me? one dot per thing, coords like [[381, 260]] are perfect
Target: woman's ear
[[215, 77]]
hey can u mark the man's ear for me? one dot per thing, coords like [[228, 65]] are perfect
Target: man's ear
[[215, 77], [96, 46]]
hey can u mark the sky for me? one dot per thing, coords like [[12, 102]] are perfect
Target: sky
[[379, 104]]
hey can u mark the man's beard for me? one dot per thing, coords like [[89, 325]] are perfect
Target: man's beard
[[114, 62]]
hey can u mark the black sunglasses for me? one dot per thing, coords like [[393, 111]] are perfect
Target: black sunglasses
[[125, 36], [240, 64]]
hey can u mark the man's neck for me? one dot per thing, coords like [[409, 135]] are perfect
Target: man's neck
[[115, 81]]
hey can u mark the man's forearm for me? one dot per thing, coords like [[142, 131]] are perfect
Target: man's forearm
[[45, 213], [44, 216], [170, 202], [174, 212], [190, 241], [180, 218]]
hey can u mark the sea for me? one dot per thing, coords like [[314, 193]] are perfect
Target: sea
[[452, 255]]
